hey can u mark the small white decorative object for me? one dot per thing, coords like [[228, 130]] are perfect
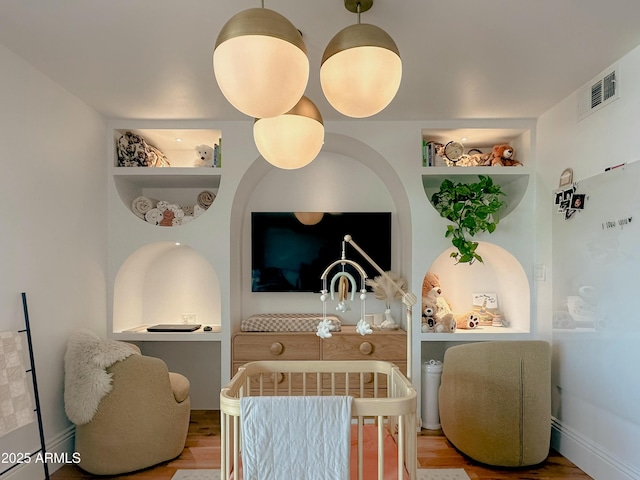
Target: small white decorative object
[[204, 156], [363, 328], [386, 288], [324, 329], [343, 306]]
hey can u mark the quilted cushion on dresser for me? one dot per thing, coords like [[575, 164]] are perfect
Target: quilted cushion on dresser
[[287, 322]]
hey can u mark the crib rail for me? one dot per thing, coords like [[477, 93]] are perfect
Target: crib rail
[[383, 396]]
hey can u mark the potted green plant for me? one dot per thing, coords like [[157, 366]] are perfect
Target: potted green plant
[[472, 208]]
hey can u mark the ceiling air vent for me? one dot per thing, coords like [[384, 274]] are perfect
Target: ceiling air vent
[[599, 92]]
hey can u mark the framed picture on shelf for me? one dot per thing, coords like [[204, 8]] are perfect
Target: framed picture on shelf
[[485, 299]]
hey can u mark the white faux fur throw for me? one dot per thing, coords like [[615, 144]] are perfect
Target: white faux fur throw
[[85, 379]]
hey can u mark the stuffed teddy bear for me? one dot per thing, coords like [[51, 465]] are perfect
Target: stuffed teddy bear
[[503, 156], [445, 324], [205, 156], [434, 306], [430, 292]]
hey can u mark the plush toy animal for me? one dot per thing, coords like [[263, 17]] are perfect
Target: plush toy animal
[[467, 321], [446, 324], [504, 156], [204, 156], [430, 290], [435, 309]]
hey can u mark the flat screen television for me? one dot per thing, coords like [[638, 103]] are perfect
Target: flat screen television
[[289, 256]]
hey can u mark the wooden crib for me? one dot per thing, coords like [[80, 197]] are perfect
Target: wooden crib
[[384, 401]]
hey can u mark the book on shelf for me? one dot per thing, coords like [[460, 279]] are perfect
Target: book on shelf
[[429, 156]]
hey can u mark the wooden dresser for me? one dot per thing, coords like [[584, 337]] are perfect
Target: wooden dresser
[[390, 345]]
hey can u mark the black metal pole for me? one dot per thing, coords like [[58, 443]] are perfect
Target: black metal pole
[[35, 386]]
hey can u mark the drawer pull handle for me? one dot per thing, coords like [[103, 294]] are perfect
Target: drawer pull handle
[[366, 348], [277, 377], [276, 348]]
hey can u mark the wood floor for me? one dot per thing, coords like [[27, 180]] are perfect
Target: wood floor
[[434, 451]]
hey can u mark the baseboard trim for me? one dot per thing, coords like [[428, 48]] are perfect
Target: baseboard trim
[[59, 447], [590, 457]]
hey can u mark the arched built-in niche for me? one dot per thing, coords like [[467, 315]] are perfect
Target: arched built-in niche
[[499, 273], [348, 162], [190, 195], [161, 281]]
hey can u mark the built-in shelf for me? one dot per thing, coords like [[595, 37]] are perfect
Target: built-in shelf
[[174, 177], [513, 181], [477, 334], [139, 334], [177, 144], [500, 273], [177, 185], [158, 284]]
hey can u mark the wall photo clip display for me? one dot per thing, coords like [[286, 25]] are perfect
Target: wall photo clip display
[[568, 201]]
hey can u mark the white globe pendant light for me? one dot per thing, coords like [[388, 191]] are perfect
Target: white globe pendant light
[[361, 67], [260, 63], [291, 140]]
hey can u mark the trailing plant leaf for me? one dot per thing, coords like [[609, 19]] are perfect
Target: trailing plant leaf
[[471, 207]]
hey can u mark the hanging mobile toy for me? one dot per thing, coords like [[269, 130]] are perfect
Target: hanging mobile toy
[[344, 279]]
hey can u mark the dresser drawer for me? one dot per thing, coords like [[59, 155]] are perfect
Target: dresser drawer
[[281, 346], [377, 346]]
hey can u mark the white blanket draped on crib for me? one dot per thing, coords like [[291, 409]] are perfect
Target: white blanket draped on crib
[[296, 437]]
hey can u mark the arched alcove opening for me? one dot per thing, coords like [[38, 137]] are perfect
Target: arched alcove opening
[[344, 166], [499, 273], [160, 282]]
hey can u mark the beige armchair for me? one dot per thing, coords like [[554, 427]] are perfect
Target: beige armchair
[[143, 420], [495, 401]]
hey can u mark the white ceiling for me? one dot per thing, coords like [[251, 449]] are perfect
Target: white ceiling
[[461, 58]]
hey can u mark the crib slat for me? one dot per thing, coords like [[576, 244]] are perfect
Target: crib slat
[[224, 454], [360, 449], [236, 446], [381, 448], [346, 383], [400, 443], [375, 385]]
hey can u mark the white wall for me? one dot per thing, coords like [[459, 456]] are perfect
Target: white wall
[[53, 201], [599, 439]]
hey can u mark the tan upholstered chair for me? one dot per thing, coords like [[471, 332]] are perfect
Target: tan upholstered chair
[[143, 420], [495, 401]]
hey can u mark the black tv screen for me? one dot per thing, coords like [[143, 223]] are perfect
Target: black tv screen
[[289, 256]]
